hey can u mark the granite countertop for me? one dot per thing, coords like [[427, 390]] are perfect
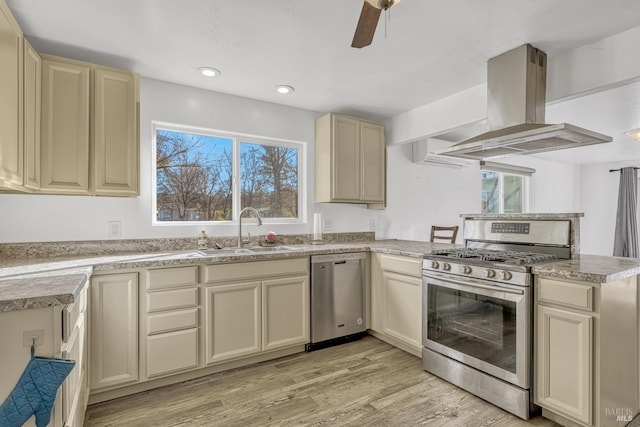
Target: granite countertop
[[33, 283], [591, 268]]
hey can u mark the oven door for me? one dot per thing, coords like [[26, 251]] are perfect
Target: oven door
[[482, 324]]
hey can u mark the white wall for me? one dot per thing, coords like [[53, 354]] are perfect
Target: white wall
[[556, 185], [419, 196], [35, 218], [600, 204]]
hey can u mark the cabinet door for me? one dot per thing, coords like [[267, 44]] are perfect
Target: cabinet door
[[32, 106], [372, 162], [65, 126], [345, 149], [564, 363], [11, 98], [172, 352], [285, 312], [232, 315], [114, 330], [115, 132], [402, 308]]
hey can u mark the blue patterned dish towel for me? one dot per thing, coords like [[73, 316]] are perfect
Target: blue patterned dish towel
[[35, 392]]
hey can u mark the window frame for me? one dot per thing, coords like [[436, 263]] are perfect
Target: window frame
[[527, 175], [237, 138]]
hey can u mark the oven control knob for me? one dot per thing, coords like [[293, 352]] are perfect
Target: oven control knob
[[446, 266], [467, 269], [505, 275], [489, 273], [435, 265]]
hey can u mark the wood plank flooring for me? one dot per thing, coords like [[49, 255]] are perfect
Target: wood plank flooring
[[364, 383]]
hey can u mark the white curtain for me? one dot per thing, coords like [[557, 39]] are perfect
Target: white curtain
[[626, 237]]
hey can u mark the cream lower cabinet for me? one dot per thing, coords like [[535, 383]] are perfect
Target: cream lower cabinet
[[233, 314], [171, 321], [586, 351], [255, 307], [63, 334], [114, 331], [396, 300]]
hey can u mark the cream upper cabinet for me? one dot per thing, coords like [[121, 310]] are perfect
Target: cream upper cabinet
[[396, 301], [114, 331], [11, 101], [586, 351], [65, 126], [350, 160], [89, 129], [115, 132], [32, 108]]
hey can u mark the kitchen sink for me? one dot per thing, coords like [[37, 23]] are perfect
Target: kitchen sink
[[245, 250]]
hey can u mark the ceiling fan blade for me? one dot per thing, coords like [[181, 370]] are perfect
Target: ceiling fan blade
[[366, 27]]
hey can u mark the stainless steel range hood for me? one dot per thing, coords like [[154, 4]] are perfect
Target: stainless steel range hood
[[516, 84]]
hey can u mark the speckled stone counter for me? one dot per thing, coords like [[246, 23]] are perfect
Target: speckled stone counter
[[37, 282], [42, 289], [32, 282], [591, 268]]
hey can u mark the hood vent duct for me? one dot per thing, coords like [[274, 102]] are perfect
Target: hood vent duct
[[516, 85]]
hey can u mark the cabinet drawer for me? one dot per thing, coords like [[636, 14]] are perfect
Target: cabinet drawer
[[261, 269], [171, 321], [403, 265], [573, 295], [172, 277], [71, 387], [178, 298], [172, 352], [71, 314]]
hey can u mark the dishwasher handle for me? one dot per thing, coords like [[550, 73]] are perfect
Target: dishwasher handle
[[338, 258]]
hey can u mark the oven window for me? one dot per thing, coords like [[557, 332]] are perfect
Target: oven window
[[476, 325]]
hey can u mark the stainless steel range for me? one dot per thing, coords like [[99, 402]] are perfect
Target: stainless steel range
[[477, 307]]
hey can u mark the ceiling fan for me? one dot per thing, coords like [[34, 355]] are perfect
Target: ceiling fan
[[368, 21]]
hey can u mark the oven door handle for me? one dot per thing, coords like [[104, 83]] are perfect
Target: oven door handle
[[474, 284]]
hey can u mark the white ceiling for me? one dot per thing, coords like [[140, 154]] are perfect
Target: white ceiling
[[432, 49]]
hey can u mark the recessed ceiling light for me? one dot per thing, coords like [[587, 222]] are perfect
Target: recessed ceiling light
[[634, 134], [209, 72], [284, 89]]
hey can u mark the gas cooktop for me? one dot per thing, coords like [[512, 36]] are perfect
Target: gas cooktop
[[492, 256]]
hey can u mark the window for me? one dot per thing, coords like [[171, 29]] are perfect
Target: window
[[209, 176], [506, 188]]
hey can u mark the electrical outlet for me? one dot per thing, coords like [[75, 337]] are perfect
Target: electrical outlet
[[115, 228], [327, 224], [372, 224], [33, 338]]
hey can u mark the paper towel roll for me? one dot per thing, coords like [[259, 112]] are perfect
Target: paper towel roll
[[317, 227]]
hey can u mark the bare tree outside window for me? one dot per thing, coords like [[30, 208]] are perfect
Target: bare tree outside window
[[192, 177], [195, 177]]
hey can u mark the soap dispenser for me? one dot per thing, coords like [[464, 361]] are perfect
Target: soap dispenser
[[203, 240]]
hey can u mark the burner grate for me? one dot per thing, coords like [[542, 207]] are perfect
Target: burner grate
[[491, 255]]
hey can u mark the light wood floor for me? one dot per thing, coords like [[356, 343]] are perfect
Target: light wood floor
[[364, 383]]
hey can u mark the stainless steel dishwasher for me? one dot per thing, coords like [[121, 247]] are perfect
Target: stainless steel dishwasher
[[337, 299]]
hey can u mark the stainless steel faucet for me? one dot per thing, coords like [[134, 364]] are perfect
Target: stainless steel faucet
[[255, 212]]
